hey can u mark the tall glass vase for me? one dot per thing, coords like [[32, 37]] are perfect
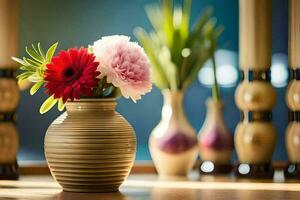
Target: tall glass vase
[[173, 142], [215, 141]]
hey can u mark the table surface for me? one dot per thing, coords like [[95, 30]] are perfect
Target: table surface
[[143, 187]]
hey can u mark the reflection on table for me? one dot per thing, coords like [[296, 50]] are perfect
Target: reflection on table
[[143, 187]]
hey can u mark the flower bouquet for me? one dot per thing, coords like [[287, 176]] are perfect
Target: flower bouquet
[[112, 65], [90, 147], [177, 53]]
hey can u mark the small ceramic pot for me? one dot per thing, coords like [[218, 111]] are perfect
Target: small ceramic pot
[[173, 142], [90, 147], [215, 141]]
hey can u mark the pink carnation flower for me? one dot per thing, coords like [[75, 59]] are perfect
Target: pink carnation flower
[[124, 64]]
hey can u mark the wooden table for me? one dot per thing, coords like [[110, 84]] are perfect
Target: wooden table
[[147, 186]]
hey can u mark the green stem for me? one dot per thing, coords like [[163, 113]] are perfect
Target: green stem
[[215, 88], [99, 90]]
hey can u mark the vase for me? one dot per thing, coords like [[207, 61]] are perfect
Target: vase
[[215, 141], [173, 142], [90, 147]]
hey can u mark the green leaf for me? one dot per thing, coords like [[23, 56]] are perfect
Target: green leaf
[[35, 78], [169, 67], [177, 47], [34, 55], [218, 32], [35, 50], [24, 75], [198, 28], [167, 9], [35, 87], [205, 16], [20, 61], [159, 76], [184, 28], [51, 52], [192, 74], [155, 15], [41, 51], [116, 93], [209, 27], [33, 62], [172, 30], [61, 105], [28, 68], [48, 104]]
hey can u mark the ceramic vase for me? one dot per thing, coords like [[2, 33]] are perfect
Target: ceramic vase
[[215, 141], [90, 147], [173, 142]]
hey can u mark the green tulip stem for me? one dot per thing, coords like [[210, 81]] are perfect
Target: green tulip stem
[[215, 88]]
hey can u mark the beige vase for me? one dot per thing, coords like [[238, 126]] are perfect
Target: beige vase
[[173, 142], [215, 141], [90, 147]]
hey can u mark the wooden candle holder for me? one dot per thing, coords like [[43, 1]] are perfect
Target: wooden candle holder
[[9, 90], [293, 93], [255, 136]]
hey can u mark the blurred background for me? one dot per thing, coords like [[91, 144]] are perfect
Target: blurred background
[[79, 23]]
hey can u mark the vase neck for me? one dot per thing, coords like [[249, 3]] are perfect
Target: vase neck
[[214, 110], [173, 105], [97, 104]]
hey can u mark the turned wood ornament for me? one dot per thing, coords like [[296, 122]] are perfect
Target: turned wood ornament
[[255, 136], [9, 90], [8, 142], [9, 31], [293, 92], [9, 94]]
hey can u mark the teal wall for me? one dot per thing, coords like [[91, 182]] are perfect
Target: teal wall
[[80, 22]]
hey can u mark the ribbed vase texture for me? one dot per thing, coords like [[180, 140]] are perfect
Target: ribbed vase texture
[[90, 147]]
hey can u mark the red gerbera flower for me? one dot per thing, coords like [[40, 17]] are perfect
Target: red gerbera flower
[[72, 74]]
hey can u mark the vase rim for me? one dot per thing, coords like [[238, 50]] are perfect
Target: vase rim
[[104, 104], [93, 100]]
